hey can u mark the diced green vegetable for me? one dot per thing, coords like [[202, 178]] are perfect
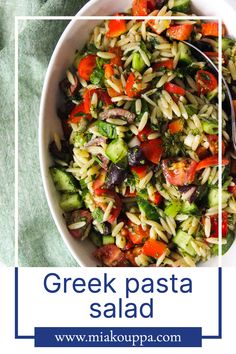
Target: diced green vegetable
[[183, 241], [107, 129], [173, 209], [181, 6], [98, 214], [138, 62], [97, 76], [150, 211], [108, 240], [230, 239], [213, 197], [88, 201], [191, 109], [227, 43], [70, 202], [64, 181], [117, 150], [189, 208], [212, 94], [83, 185], [78, 139], [96, 238], [185, 54], [210, 126]]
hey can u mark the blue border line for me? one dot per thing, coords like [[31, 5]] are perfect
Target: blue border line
[[17, 336], [218, 336]]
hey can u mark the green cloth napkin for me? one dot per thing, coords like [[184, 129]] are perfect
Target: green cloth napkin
[[40, 243]]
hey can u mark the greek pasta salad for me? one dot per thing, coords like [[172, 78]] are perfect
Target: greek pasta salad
[[137, 168]]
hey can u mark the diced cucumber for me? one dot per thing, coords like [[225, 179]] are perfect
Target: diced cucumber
[[96, 238], [191, 109], [185, 54], [78, 139], [70, 202], [213, 197], [227, 43], [183, 241], [88, 201], [210, 126], [173, 209], [98, 214], [107, 240], [212, 94], [189, 208], [63, 181], [150, 211], [117, 150], [230, 240], [138, 62], [181, 6]]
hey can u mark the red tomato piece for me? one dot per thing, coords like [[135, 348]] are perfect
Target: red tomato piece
[[143, 135], [102, 95], [140, 171], [77, 113], [232, 189], [116, 28], [176, 126], [179, 172], [152, 150], [118, 203], [215, 225], [212, 29], [100, 180], [136, 233], [180, 32], [143, 7], [172, 88], [206, 82], [154, 248], [168, 64], [133, 86], [86, 66], [156, 199], [211, 161], [213, 142], [110, 256]]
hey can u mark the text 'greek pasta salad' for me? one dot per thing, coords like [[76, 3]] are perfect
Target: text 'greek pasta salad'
[[137, 169]]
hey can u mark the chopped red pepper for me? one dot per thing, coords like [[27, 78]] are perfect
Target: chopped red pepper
[[136, 233], [168, 64], [180, 32], [152, 150], [172, 88], [77, 113], [102, 95], [176, 126], [116, 28], [156, 198], [133, 86], [86, 66], [212, 29], [140, 171], [215, 225], [211, 161], [154, 248], [143, 7], [109, 71]]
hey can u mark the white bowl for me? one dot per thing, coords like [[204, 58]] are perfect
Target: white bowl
[[74, 37]]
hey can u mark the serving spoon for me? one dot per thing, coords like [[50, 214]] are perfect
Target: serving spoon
[[228, 93]]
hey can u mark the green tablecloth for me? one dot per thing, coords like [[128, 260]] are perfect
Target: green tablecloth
[[39, 241]]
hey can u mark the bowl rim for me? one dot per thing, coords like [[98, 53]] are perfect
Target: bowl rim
[[42, 156]]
